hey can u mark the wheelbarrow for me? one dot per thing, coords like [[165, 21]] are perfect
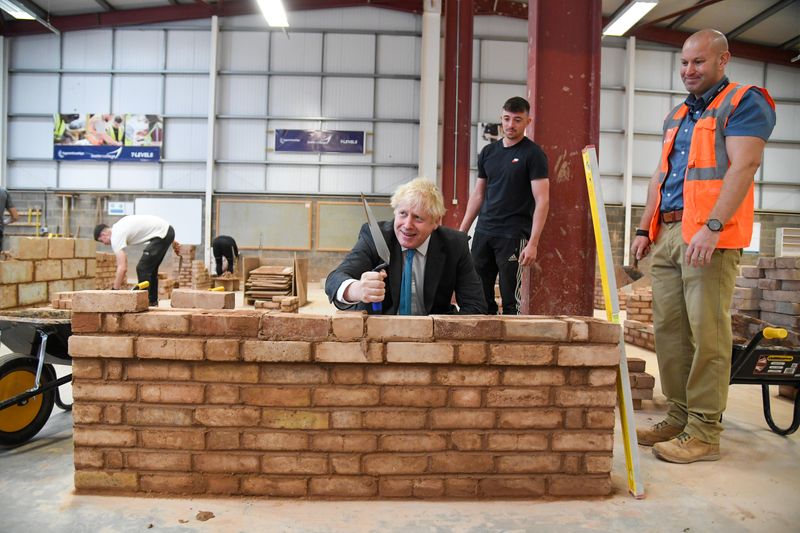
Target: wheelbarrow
[[37, 339], [754, 364]]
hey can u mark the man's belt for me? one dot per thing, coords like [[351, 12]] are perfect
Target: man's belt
[[668, 217]]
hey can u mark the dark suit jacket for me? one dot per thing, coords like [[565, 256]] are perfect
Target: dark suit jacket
[[448, 268]]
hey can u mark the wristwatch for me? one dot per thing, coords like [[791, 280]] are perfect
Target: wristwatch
[[714, 225]]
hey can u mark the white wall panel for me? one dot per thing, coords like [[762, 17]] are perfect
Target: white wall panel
[[653, 69], [184, 177], [186, 95], [474, 110], [613, 63], [399, 54], [31, 174], [500, 27], [611, 156], [612, 189], [779, 198], [345, 180], [782, 81], [397, 99], [244, 50], [650, 110], [347, 97], [493, 96], [745, 71], [396, 143], [787, 124], [32, 93], [30, 137], [34, 51], [299, 52], [781, 162], [388, 179], [355, 18], [349, 53], [504, 60], [244, 178], [188, 50], [241, 140], [87, 49], [134, 176], [185, 139], [85, 93], [136, 94], [612, 110], [646, 154], [295, 96], [79, 175], [139, 49], [242, 95], [292, 179]]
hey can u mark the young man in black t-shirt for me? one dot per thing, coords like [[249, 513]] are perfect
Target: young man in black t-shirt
[[512, 196]]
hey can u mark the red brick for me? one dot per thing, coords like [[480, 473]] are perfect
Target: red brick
[[112, 414], [345, 396], [348, 375], [277, 487], [578, 376], [274, 440], [328, 442], [17, 272], [467, 328], [84, 413], [532, 377], [582, 441], [601, 331], [181, 462], [394, 419], [342, 352], [47, 270], [183, 348], [291, 326], [413, 442], [228, 463], [227, 416], [571, 464], [348, 326], [579, 397], [82, 346], [467, 376], [461, 463], [110, 301], [87, 369], [395, 488], [157, 370], [172, 393], [386, 328], [345, 464], [267, 351], [346, 419], [414, 397], [293, 419], [521, 354], [428, 488], [466, 440], [155, 322], [114, 459], [535, 329], [158, 416], [178, 439], [518, 397], [293, 464], [222, 349], [88, 458], [108, 392], [117, 481], [573, 418], [223, 440], [86, 322], [598, 464], [394, 464], [461, 418], [529, 464], [588, 355], [471, 353], [465, 398], [343, 487], [219, 393], [200, 299], [596, 419], [601, 377], [579, 485], [530, 418], [277, 396], [82, 436], [578, 330], [291, 374], [524, 487], [399, 375], [461, 488], [529, 442], [225, 324], [221, 484], [418, 352], [226, 373]]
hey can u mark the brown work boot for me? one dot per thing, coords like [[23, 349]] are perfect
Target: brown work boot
[[686, 449], [661, 432]]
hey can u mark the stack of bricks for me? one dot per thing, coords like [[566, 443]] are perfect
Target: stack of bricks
[[599, 299], [640, 334], [279, 304], [780, 291], [200, 277], [41, 267], [639, 305], [346, 407], [61, 300], [747, 292], [183, 265], [106, 270], [642, 383], [165, 286]]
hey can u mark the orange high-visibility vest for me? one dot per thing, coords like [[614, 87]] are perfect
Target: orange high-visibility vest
[[706, 168]]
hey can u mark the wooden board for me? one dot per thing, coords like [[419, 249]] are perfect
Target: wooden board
[[338, 223], [266, 224]]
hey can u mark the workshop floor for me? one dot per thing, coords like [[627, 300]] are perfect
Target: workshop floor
[[753, 488]]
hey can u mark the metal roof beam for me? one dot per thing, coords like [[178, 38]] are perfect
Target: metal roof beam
[[678, 22], [734, 33]]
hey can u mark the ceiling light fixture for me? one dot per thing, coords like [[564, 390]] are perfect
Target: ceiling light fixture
[[629, 16], [15, 10], [274, 13]]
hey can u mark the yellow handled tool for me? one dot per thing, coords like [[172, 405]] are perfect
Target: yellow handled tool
[[775, 333], [142, 285], [217, 289]]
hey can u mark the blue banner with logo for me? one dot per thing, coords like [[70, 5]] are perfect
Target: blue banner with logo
[[327, 141], [107, 153], [107, 137]]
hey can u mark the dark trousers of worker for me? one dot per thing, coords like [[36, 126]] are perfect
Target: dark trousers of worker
[[221, 251], [147, 268], [1, 239], [498, 255], [692, 328]]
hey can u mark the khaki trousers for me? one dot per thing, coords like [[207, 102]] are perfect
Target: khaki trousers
[[692, 326]]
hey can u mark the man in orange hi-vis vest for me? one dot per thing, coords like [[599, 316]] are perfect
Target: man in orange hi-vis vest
[[698, 217]]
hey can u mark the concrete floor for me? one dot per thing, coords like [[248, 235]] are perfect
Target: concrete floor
[[753, 488]]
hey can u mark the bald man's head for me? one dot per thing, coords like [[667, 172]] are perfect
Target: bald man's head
[[703, 60]]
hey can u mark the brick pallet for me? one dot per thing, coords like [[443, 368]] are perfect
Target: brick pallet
[[346, 407], [639, 305], [770, 291]]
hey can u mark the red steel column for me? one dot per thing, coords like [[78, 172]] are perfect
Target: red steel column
[[564, 92], [457, 118]]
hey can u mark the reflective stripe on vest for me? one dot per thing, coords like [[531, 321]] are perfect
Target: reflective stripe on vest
[[706, 167]]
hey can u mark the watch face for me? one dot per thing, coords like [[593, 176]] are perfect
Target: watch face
[[714, 225]]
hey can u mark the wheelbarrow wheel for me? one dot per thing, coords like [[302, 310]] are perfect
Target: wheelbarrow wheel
[[19, 423]]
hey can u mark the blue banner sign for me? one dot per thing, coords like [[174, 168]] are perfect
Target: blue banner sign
[[328, 141], [107, 153]]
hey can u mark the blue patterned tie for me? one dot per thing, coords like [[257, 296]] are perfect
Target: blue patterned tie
[[405, 285]]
